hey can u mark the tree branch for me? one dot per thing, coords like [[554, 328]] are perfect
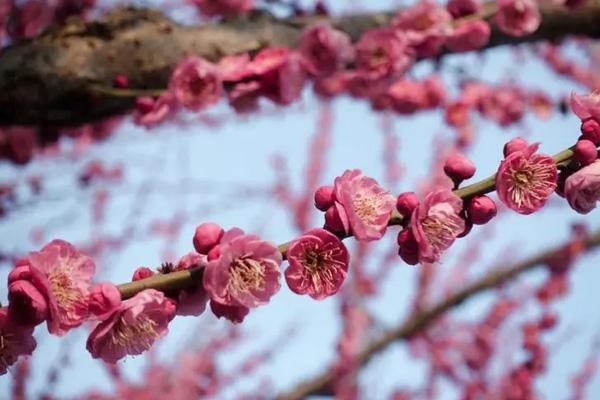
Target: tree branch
[[53, 79], [421, 320]]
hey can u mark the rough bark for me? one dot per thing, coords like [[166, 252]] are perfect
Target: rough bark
[[53, 79]]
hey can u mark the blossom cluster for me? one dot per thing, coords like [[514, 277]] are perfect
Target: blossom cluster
[[373, 67]]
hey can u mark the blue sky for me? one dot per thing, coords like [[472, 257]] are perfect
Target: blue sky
[[197, 165]]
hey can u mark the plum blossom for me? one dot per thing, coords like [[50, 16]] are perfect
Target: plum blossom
[[324, 49], [366, 205], [468, 36], [518, 17], [318, 264], [62, 276], [582, 189], [425, 25], [525, 180], [132, 328], [196, 83], [246, 272], [586, 106], [104, 299], [235, 314], [16, 341], [436, 223], [383, 52]]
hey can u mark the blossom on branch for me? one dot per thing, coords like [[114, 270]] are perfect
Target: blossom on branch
[[225, 8], [246, 272], [133, 327], [192, 300], [62, 276], [383, 52], [196, 83], [324, 49], [318, 264], [525, 180], [436, 223], [518, 17], [366, 205]]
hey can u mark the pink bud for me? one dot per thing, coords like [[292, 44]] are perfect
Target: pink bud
[[585, 152], [104, 299], [482, 209], [459, 168], [121, 81], [142, 273], [214, 253], [26, 305], [207, 236], [333, 221], [324, 197], [516, 144], [590, 128], [406, 203]]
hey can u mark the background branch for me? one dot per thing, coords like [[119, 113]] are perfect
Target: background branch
[[53, 79], [420, 320]]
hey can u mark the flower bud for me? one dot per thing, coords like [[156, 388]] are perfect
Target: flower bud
[[406, 203], [459, 168], [26, 305], [104, 299], [141, 273], [516, 144], [333, 220], [324, 197], [207, 236], [585, 152], [482, 209], [409, 249], [590, 128]]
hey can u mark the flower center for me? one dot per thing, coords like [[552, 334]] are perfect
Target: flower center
[[320, 263], [379, 57], [136, 337], [68, 297], [365, 208], [531, 181], [245, 274], [441, 232]]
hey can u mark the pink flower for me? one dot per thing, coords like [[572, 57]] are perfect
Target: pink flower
[[585, 152], [525, 180], [16, 341], [586, 106], [324, 197], [132, 328], [458, 168], [150, 112], [436, 223], [318, 264], [407, 96], [324, 49], [582, 189], [246, 273], [383, 52], [368, 207], [481, 209], [226, 8], [468, 36], [234, 68], [235, 314], [104, 299], [62, 276], [425, 25], [518, 17], [196, 83], [192, 301]]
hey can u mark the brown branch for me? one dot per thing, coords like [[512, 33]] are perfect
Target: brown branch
[[421, 320], [54, 78]]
